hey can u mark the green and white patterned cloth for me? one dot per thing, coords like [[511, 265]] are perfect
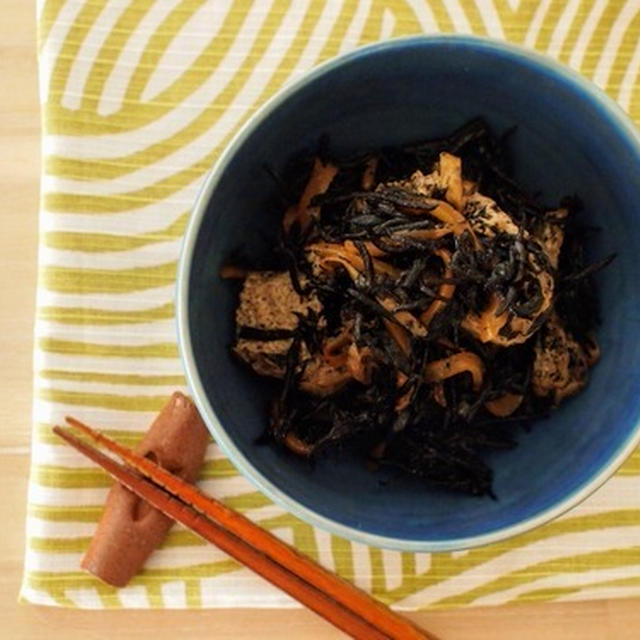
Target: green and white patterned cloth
[[138, 99]]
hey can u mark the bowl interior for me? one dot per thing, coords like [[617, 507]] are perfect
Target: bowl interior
[[565, 143]]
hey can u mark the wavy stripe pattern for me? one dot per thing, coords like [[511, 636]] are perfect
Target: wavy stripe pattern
[[139, 98]]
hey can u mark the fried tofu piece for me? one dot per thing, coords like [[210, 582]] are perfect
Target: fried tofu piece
[[445, 181], [269, 302], [551, 235], [487, 218], [561, 364]]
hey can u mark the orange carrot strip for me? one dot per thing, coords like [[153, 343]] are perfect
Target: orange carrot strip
[[453, 365], [446, 290], [403, 401], [302, 212], [486, 326], [405, 318], [334, 350], [374, 252], [505, 405], [444, 212], [348, 252], [359, 363], [451, 173], [297, 446], [399, 335]]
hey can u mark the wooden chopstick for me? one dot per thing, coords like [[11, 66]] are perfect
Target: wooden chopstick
[[235, 547], [337, 600], [340, 590]]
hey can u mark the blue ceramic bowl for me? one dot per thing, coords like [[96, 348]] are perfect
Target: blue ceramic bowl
[[571, 139]]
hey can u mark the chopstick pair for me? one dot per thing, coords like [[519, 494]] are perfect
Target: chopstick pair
[[338, 601]]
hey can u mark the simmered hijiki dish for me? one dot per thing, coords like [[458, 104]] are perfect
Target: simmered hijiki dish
[[421, 306]]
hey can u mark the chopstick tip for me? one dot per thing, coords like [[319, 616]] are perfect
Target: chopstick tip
[[77, 424], [62, 433]]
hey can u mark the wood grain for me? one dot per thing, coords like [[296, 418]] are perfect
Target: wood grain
[[19, 171]]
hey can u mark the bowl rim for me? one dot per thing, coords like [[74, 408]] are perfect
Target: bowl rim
[[617, 117]]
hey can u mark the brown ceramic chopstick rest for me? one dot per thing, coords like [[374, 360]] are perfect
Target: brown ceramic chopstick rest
[[130, 529]]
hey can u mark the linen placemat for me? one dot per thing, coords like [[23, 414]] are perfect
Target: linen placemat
[[138, 99]]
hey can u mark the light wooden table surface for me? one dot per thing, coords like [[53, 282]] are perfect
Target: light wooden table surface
[[19, 170]]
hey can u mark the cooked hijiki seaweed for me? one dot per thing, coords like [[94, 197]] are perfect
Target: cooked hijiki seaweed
[[420, 306]]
